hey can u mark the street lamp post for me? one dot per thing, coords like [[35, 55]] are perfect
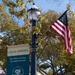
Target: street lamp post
[[33, 12]]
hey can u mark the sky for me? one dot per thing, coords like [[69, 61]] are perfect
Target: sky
[[56, 5], [47, 5], [53, 5]]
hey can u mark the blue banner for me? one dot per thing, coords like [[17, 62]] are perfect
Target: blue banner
[[18, 60]]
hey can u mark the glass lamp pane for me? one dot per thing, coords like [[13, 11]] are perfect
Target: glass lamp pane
[[33, 14]]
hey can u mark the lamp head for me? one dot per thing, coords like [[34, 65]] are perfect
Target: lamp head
[[33, 12]]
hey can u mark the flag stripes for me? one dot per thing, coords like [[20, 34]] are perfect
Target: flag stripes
[[59, 28], [63, 30], [68, 40]]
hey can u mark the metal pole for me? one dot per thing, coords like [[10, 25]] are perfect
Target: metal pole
[[33, 54]]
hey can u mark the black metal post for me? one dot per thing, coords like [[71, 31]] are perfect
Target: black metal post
[[33, 54]]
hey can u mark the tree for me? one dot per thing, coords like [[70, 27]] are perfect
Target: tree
[[50, 46], [52, 52], [14, 34]]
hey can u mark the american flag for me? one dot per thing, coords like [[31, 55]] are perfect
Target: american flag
[[62, 29]]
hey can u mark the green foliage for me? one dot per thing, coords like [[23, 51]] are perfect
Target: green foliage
[[50, 72], [18, 4], [50, 46], [54, 51]]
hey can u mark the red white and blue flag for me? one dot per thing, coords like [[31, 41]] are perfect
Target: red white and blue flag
[[62, 29]]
